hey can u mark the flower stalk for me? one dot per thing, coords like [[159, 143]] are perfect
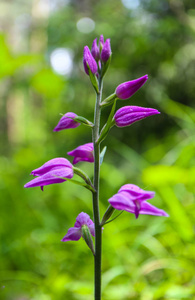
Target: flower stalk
[[98, 228]]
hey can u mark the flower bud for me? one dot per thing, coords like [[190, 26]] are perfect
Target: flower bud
[[126, 89], [106, 51], [86, 234], [89, 61], [101, 42], [95, 50], [127, 115]]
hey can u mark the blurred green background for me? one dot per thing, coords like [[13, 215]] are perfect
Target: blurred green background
[[41, 45]]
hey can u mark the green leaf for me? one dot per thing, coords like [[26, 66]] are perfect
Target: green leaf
[[102, 154], [94, 80], [108, 125]]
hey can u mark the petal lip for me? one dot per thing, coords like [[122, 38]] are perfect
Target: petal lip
[[126, 89], [149, 209], [73, 234], [51, 177]]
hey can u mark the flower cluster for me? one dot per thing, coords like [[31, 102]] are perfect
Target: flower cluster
[[130, 197]]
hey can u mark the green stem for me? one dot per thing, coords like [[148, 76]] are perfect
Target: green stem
[[98, 228]]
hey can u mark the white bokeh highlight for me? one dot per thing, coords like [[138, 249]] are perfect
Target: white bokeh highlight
[[62, 61], [85, 25]]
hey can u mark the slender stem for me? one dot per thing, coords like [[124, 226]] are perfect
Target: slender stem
[[98, 229]]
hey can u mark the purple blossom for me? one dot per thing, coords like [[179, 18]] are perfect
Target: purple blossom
[[82, 153], [95, 50], [106, 51], [67, 122], [89, 60], [126, 89], [50, 172], [132, 199], [127, 115], [75, 233]]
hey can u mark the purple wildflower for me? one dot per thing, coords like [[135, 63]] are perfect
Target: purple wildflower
[[89, 61], [75, 233], [106, 51], [67, 122], [132, 199], [82, 153], [50, 172], [127, 115], [126, 89], [95, 50]]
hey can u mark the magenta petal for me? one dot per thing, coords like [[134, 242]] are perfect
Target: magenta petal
[[89, 60], [136, 192], [51, 177], [121, 201], [55, 163], [106, 51], [82, 219], [126, 89], [73, 234], [95, 50], [83, 153], [127, 115], [148, 209], [67, 122]]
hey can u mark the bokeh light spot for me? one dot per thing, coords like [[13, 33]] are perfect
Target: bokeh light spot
[[62, 61], [131, 4], [85, 25]]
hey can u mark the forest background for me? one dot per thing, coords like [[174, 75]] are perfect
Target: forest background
[[41, 76]]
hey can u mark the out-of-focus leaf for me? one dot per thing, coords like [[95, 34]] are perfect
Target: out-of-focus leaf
[[48, 83], [10, 64], [161, 175]]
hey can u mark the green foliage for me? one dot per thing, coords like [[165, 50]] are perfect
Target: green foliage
[[148, 258]]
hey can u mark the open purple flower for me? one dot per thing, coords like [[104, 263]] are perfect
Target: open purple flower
[[82, 153], [132, 199], [75, 233], [89, 61], [126, 89], [67, 122], [127, 115], [106, 51], [50, 172]]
